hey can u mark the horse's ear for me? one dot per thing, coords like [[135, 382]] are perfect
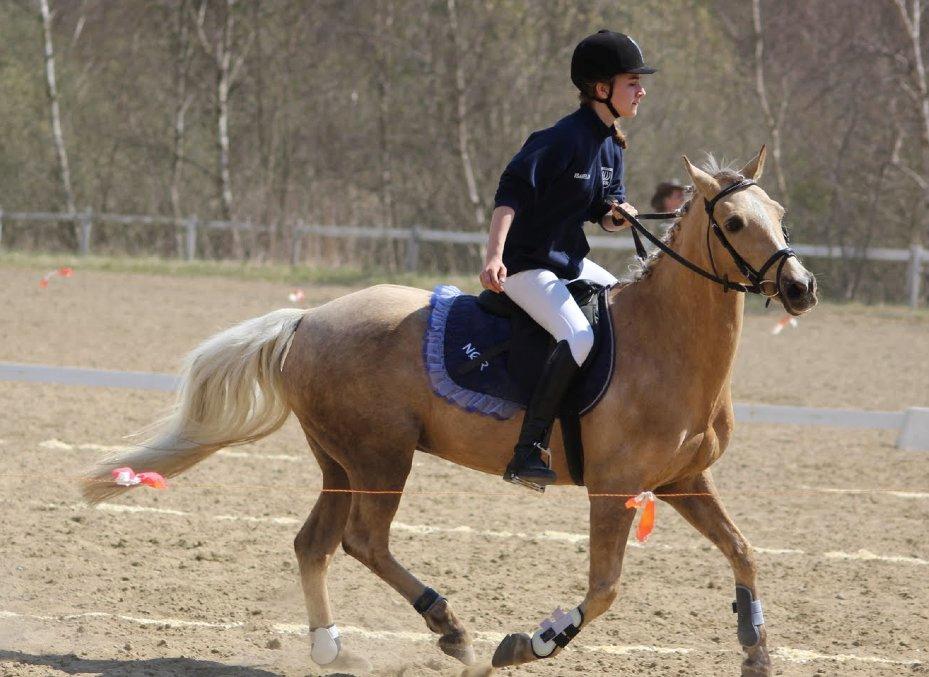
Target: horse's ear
[[705, 184], [754, 168]]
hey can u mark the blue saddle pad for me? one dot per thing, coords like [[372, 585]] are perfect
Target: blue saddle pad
[[460, 331]]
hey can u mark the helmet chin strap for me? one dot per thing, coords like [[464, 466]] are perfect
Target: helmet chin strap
[[609, 101]]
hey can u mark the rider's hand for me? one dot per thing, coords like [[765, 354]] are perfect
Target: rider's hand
[[619, 221], [494, 274]]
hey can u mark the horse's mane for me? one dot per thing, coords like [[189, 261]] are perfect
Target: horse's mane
[[724, 172]]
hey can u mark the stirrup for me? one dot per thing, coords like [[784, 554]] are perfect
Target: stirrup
[[545, 455], [529, 484]]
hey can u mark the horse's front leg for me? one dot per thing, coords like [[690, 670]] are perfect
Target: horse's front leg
[[705, 511], [609, 528]]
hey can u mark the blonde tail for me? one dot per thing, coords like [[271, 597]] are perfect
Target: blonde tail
[[231, 392]]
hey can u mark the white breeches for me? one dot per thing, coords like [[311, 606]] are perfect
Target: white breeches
[[546, 299]]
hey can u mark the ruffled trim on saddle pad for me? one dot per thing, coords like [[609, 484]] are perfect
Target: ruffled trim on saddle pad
[[443, 296]]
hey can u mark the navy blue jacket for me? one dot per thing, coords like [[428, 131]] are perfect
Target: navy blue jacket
[[559, 179]]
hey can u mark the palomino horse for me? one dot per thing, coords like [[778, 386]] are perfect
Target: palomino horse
[[354, 377]]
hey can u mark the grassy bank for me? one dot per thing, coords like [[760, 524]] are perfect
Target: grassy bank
[[341, 276], [269, 272]]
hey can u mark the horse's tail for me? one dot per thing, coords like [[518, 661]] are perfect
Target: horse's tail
[[231, 392]]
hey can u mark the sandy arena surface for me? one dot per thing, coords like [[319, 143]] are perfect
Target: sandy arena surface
[[201, 579]]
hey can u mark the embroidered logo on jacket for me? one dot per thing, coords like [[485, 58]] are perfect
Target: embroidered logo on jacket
[[606, 175], [578, 175]]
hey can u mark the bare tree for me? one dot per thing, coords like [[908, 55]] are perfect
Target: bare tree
[[461, 113], [222, 47], [383, 85], [773, 120], [181, 47], [917, 91], [51, 88]]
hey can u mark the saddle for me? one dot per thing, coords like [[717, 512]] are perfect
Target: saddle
[[485, 354], [529, 344]]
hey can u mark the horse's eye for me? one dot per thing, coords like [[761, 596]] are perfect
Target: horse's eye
[[735, 224]]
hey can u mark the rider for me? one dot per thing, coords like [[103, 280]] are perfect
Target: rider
[[563, 176]]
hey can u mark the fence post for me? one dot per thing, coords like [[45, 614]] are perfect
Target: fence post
[[86, 218], [1, 227], [412, 252], [296, 244], [191, 225], [915, 271]]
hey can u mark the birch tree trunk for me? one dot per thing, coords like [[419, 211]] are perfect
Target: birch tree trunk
[[387, 214], [224, 64], [227, 69], [919, 94], [774, 122], [267, 129], [461, 110], [182, 101], [61, 152]]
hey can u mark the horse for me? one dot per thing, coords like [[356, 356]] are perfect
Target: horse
[[352, 372]]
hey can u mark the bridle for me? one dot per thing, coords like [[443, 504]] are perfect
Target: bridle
[[755, 277]]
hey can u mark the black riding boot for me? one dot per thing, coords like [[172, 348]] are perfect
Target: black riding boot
[[528, 466]]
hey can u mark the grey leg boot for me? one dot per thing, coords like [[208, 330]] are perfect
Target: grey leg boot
[[531, 457]]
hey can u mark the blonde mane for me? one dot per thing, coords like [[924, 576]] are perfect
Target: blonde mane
[[724, 172]]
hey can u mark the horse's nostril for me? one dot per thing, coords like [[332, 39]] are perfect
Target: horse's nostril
[[797, 290]]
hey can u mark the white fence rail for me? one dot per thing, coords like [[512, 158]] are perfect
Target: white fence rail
[[916, 257], [912, 425]]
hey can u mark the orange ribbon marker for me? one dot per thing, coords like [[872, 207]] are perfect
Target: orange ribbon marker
[[645, 500], [60, 272], [785, 321], [127, 477]]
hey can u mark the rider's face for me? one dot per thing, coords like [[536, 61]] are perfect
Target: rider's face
[[627, 93]]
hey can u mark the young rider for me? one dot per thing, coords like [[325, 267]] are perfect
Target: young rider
[[563, 176]]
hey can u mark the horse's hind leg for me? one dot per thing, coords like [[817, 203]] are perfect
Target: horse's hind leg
[[367, 538], [315, 545], [609, 529], [707, 514]]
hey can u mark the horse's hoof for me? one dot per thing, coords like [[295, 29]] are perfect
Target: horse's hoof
[[758, 665], [458, 646], [515, 649], [482, 670]]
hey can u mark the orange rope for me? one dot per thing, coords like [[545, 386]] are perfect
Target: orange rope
[[414, 492]]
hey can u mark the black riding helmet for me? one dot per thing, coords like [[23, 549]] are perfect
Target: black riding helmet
[[600, 57]]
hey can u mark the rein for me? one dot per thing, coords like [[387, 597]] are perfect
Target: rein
[[755, 277]]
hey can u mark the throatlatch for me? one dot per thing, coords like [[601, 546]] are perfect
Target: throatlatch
[[751, 616]]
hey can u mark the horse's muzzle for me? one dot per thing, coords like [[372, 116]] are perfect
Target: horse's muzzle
[[798, 294]]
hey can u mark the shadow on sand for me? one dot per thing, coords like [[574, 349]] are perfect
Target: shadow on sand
[[74, 665]]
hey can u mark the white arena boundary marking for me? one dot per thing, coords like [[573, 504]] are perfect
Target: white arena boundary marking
[[868, 556], [58, 445], [558, 536], [921, 495], [76, 376], [55, 444], [912, 424], [783, 653], [139, 620], [805, 656]]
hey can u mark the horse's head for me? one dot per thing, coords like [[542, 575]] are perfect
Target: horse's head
[[745, 237]]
